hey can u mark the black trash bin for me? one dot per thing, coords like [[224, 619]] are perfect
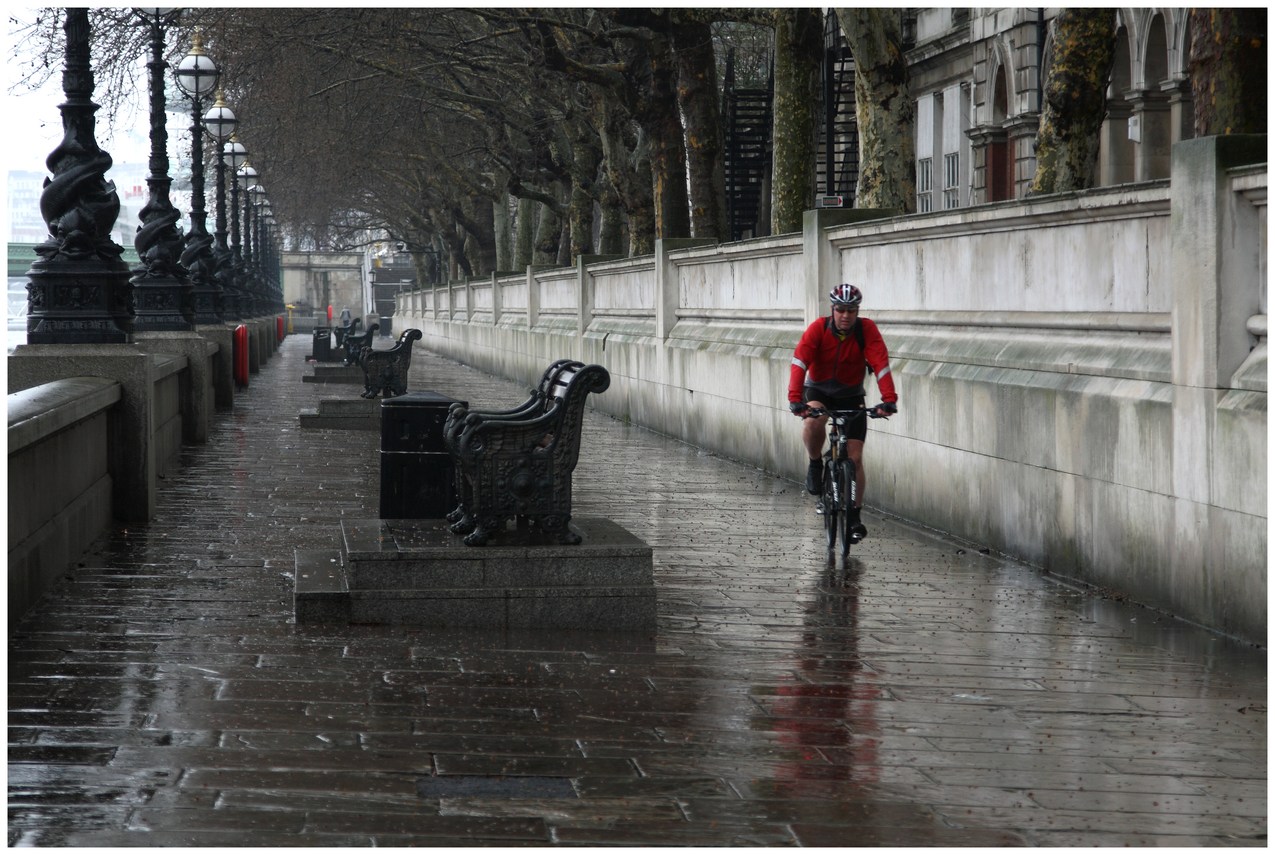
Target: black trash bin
[[387, 326], [322, 351], [416, 470]]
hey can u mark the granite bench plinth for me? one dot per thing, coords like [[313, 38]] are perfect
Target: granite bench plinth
[[349, 374], [418, 572], [344, 414]]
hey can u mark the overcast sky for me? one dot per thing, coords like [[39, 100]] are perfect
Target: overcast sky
[[33, 123]]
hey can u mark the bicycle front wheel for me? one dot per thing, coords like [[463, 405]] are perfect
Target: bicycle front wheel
[[831, 502], [845, 486]]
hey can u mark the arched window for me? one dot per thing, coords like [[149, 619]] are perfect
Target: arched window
[[1000, 164]]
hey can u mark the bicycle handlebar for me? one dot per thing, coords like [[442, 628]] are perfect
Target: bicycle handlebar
[[816, 412]]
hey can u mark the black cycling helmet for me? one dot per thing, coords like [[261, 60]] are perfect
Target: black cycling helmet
[[846, 295]]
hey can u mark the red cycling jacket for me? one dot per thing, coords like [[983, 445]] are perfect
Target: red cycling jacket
[[835, 365]]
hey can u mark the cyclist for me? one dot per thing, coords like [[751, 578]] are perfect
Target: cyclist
[[828, 371]]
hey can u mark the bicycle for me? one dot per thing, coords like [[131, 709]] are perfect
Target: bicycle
[[839, 490]]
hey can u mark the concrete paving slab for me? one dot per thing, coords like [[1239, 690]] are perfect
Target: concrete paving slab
[[920, 693]]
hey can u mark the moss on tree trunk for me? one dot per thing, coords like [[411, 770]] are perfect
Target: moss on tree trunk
[[1228, 70], [1075, 93], [798, 54]]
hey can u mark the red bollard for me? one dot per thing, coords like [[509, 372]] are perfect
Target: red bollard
[[278, 327], [329, 315], [241, 356]]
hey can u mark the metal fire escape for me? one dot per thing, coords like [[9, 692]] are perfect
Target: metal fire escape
[[838, 169], [747, 114]]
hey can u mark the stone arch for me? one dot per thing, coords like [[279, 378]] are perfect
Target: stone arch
[[1000, 161], [1155, 53], [1151, 127], [1115, 149]]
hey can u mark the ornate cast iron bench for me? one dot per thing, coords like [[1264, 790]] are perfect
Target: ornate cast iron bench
[[517, 464], [342, 331], [539, 400], [385, 371], [353, 344]]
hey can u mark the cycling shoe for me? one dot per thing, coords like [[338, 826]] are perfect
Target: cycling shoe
[[814, 478]]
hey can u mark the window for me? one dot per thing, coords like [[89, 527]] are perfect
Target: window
[[952, 180], [924, 185]]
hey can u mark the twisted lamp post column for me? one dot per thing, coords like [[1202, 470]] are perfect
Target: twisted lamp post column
[[78, 289], [163, 296], [197, 76]]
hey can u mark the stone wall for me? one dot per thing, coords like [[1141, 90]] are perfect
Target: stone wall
[[1082, 376], [59, 480], [92, 429]]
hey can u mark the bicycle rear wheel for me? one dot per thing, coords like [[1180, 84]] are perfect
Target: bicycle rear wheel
[[830, 502], [845, 476]]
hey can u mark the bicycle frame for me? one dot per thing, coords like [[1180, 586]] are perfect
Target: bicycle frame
[[839, 492]]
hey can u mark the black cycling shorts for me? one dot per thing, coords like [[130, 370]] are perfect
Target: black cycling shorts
[[858, 428]]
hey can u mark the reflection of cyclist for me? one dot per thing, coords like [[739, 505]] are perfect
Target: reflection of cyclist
[[827, 371]]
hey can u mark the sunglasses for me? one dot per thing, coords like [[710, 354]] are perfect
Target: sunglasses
[[842, 310]]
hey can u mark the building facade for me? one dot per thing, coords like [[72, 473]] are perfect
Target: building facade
[[978, 76]]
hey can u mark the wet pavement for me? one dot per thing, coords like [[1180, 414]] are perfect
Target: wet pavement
[[919, 694]]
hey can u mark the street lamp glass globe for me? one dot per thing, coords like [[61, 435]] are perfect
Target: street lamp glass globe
[[236, 155], [220, 120], [247, 176], [197, 74]]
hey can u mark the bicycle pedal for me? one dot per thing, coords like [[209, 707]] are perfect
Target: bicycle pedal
[[819, 508]]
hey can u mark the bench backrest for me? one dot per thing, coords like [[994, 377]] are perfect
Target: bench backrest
[[568, 393]]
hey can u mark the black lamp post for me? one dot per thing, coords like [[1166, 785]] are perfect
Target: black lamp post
[[220, 122], [271, 264], [78, 290], [163, 297], [236, 156], [246, 179], [197, 76]]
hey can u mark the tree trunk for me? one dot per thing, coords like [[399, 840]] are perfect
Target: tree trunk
[[504, 232], [1075, 94], [1228, 70], [798, 54], [480, 243], [884, 108], [611, 228], [629, 169], [524, 236], [585, 160], [548, 236], [697, 94], [658, 115]]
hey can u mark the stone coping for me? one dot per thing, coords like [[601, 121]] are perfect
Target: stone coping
[[43, 410]]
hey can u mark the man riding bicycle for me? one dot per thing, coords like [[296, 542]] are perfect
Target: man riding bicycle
[[828, 370]]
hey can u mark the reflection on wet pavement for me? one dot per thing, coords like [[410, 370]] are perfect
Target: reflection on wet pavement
[[920, 694]]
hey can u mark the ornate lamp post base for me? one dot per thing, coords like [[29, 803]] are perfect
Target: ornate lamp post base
[[71, 303], [162, 302]]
